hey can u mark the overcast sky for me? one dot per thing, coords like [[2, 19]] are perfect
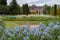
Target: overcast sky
[[36, 2]]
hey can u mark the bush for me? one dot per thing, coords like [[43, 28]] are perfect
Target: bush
[[33, 12], [26, 18]]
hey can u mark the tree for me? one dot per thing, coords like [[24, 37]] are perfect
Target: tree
[[52, 10], [47, 9], [58, 11], [3, 2], [55, 9], [33, 5], [14, 8], [4, 10], [25, 9]]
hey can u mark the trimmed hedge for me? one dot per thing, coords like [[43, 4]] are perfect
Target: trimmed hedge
[[14, 18]]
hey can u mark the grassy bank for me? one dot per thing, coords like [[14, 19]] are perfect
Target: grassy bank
[[12, 21], [29, 18]]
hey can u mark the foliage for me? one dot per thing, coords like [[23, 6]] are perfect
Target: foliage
[[3, 2], [4, 10], [46, 9], [2, 27], [55, 9], [58, 11], [28, 18], [2, 23], [25, 9], [52, 11], [14, 8], [33, 12]]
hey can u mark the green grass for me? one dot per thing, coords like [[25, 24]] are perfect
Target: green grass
[[28, 18], [12, 24]]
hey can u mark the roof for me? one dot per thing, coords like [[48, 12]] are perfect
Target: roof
[[37, 7]]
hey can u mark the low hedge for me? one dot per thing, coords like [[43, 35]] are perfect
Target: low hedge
[[7, 18]]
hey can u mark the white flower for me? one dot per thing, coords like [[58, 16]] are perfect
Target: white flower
[[36, 33], [26, 38], [9, 38], [56, 26], [3, 37], [58, 37], [57, 23], [28, 34], [44, 32], [17, 29], [42, 25], [26, 27], [31, 32], [37, 29], [42, 37], [9, 32], [51, 24], [19, 35], [47, 29], [25, 31], [1, 28]]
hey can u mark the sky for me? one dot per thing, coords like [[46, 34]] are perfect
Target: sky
[[37, 2]]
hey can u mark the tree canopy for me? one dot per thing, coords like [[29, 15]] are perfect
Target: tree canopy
[[3, 2], [25, 8]]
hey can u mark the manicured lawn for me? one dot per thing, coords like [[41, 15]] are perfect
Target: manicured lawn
[[12, 24], [29, 18]]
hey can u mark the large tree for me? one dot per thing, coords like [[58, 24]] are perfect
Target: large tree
[[4, 10], [46, 9], [14, 8], [25, 8], [55, 9], [3, 2]]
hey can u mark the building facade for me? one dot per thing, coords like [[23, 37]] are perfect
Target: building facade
[[37, 9]]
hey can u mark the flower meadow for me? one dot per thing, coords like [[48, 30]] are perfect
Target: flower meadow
[[42, 32]]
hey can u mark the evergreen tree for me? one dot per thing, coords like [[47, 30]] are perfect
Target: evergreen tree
[[4, 10], [14, 8], [55, 9], [26, 9], [3, 2], [23, 9], [46, 9]]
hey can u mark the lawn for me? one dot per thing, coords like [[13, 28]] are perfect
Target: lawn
[[12, 24], [49, 29], [12, 21]]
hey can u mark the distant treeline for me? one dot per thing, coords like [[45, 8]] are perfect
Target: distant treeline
[[52, 10], [13, 8]]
